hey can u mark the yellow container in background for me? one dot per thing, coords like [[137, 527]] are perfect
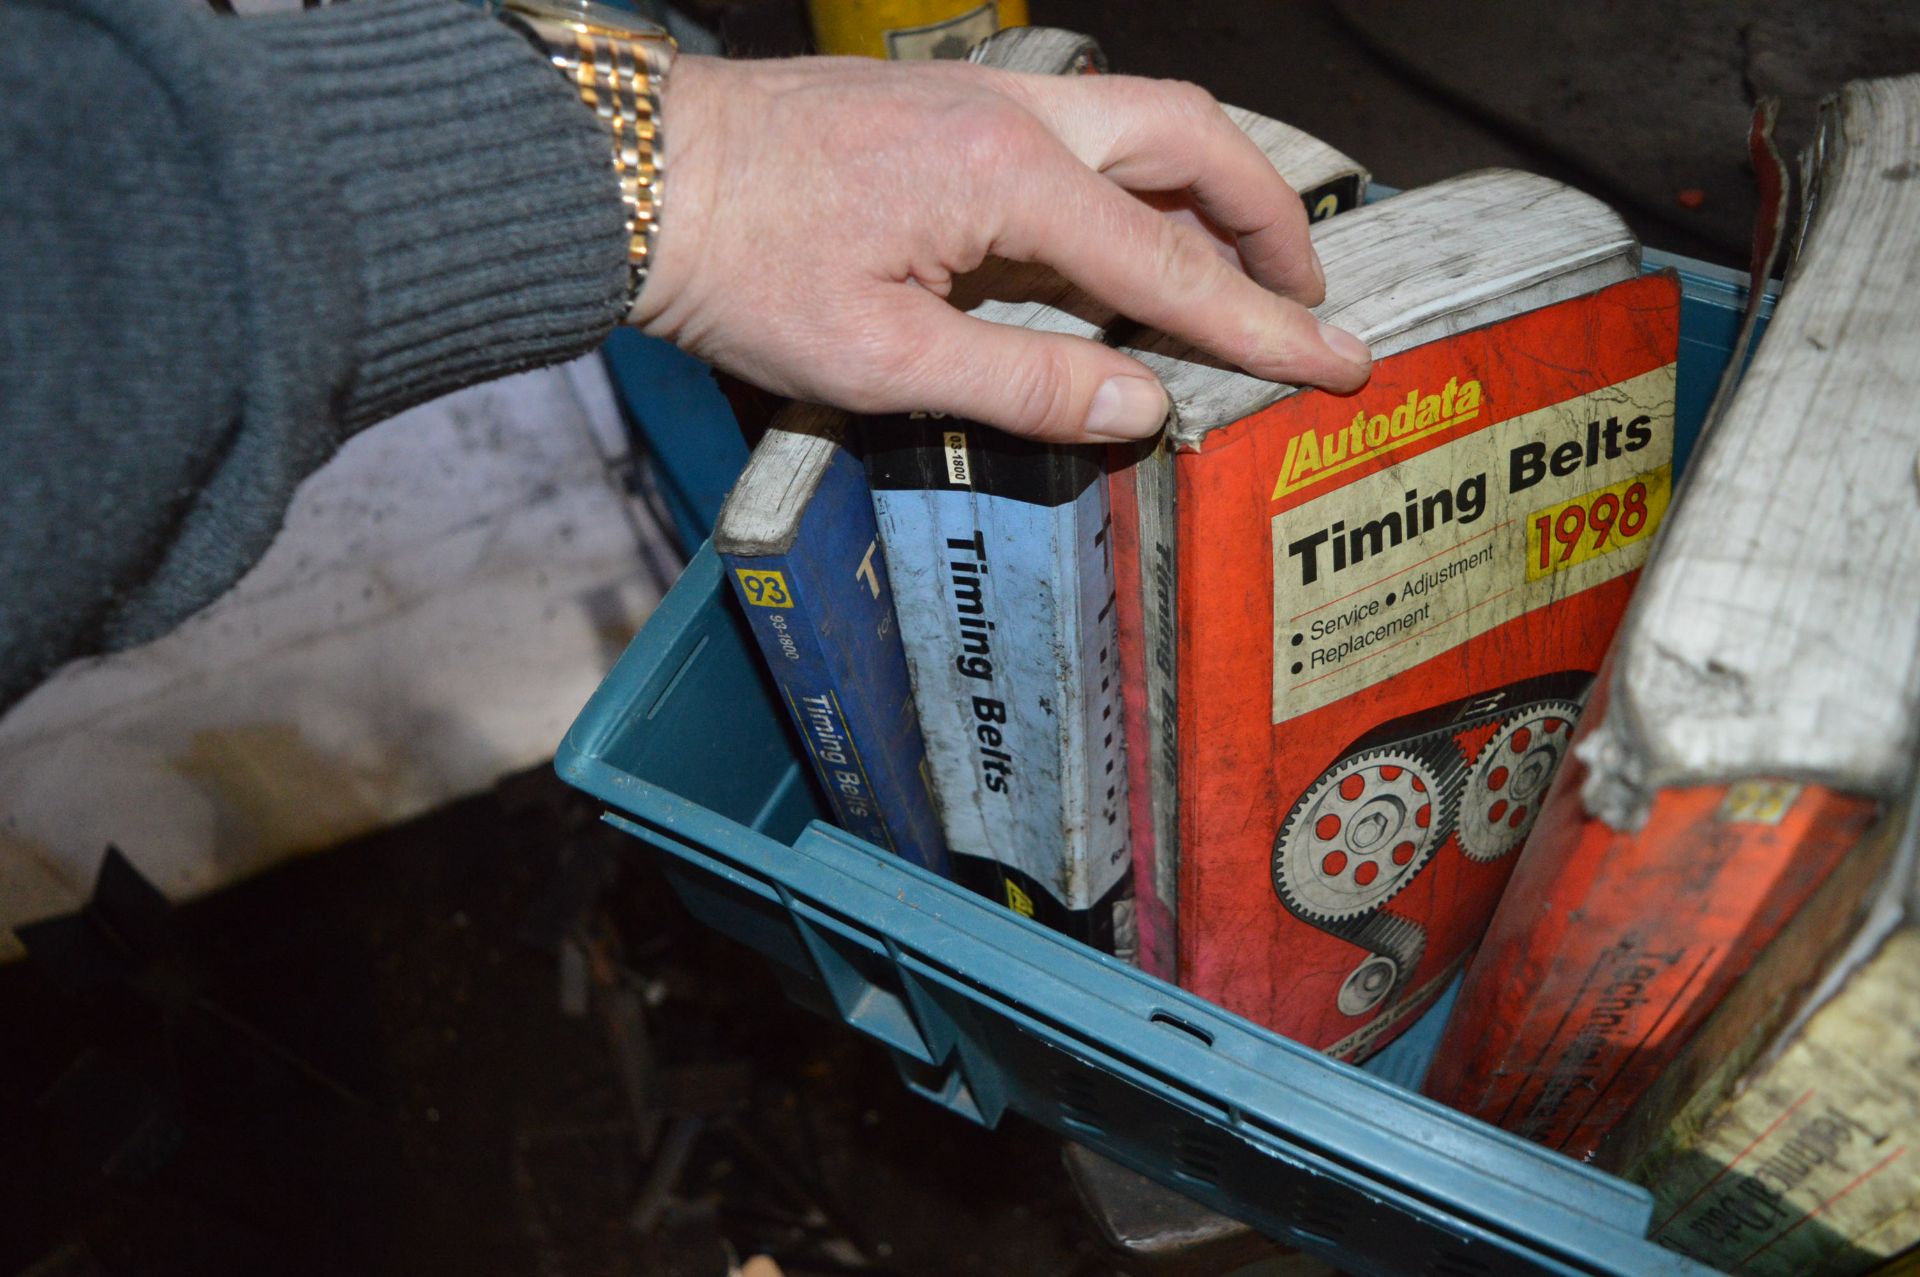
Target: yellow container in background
[[910, 28]]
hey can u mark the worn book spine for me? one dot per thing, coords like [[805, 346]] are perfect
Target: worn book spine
[[1613, 947], [1811, 1165], [1389, 609], [1766, 1004], [822, 613], [1146, 568], [1140, 495], [1003, 579]]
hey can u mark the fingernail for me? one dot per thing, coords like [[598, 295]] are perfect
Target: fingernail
[[1127, 408], [1319, 271], [1345, 344]]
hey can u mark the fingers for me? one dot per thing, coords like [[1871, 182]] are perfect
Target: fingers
[[1167, 276], [816, 271], [1046, 386], [1178, 206], [1149, 135]]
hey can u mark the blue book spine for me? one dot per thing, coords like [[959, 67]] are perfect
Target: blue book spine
[[1004, 584], [823, 615]]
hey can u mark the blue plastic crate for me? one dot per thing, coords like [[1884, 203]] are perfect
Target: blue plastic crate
[[987, 1013]]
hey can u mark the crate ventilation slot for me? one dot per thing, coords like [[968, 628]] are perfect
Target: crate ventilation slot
[[1317, 1210], [1197, 1157], [1079, 1109], [1454, 1263]]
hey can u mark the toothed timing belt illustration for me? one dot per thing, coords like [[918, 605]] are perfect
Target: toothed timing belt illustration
[[1373, 819]]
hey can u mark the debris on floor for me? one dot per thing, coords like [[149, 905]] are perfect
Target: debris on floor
[[487, 1041]]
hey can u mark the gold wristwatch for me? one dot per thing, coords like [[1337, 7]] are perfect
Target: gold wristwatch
[[618, 63]]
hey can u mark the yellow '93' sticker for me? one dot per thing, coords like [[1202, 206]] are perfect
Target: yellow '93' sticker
[[764, 588], [1758, 802], [1019, 901], [1597, 522]]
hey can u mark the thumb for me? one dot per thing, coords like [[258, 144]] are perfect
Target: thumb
[[1047, 386]]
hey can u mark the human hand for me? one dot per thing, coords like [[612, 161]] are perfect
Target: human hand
[[818, 210]]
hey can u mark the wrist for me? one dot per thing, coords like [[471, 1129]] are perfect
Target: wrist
[[618, 65], [691, 107]]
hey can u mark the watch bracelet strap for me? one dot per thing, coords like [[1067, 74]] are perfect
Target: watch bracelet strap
[[620, 78]]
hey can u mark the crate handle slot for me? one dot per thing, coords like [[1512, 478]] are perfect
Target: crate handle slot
[[1173, 1021]]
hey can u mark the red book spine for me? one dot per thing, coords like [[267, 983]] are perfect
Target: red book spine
[[1153, 914], [1611, 948]]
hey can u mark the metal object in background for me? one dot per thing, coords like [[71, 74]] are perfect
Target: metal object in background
[[909, 29], [1155, 1232]]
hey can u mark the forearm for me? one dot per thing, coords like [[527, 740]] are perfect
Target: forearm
[[231, 243]]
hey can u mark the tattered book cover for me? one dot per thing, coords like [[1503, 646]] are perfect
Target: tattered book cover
[[1391, 606]]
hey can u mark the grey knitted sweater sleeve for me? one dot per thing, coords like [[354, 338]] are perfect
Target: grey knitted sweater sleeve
[[226, 245]]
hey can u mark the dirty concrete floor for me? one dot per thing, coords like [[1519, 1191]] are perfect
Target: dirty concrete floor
[[380, 1061], [384, 1060]]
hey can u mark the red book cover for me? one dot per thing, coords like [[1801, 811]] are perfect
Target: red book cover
[[1612, 947], [1390, 607]]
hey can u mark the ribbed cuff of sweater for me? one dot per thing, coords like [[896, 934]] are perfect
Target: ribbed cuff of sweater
[[479, 193]]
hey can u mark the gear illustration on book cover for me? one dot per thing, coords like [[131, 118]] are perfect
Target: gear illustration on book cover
[[1510, 776], [1388, 803], [1394, 947], [1361, 833]]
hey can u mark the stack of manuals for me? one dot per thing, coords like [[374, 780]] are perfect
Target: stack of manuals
[[1271, 704], [1004, 595], [1299, 675], [1706, 970]]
